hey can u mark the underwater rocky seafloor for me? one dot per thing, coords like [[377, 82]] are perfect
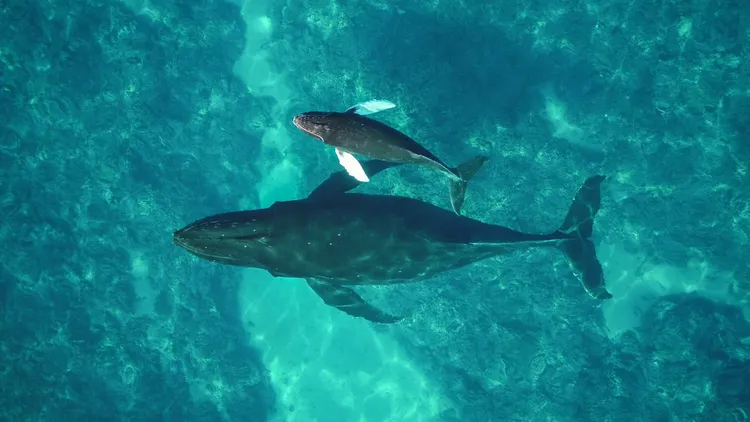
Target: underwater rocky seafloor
[[102, 318], [126, 120]]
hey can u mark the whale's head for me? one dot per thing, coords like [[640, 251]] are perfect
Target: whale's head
[[318, 124], [236, 238]]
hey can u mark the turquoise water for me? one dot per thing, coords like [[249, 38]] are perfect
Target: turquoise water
[[123, 121]]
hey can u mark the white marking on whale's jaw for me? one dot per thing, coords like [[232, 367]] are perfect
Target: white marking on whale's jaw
[[314, 135], [352, 166]]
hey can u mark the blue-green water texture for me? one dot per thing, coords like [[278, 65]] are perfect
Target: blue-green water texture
[[122, 121]]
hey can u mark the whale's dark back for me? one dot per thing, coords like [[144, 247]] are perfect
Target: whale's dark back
[[362, 135], [354, 239], [337, 239]]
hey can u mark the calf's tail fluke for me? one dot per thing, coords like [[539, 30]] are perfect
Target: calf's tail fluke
[[577, 228], [465, 171]]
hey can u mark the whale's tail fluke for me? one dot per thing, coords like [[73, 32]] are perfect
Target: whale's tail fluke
[[465, 171], [578, 227]]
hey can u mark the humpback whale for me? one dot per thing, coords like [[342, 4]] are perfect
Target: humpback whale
[[334, 239], [350, 132]]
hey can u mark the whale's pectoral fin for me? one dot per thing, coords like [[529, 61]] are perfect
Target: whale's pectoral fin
[[348, 301], [370, 107], [352, 166], [340, 182]]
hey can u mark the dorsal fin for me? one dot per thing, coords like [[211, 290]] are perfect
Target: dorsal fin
[[370, 107]]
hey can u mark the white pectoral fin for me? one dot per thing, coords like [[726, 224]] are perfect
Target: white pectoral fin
[[370, 107], [352, 166]]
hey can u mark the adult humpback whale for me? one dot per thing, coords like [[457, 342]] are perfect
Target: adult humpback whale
[[351, 132], [333, 239]]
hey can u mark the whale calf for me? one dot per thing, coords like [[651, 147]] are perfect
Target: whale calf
[[350, 132], [335, 239]]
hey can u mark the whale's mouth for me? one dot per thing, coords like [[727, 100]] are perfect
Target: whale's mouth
[[222, 248], [305, 123], [304, 129], [217, 234], [297, 120], [185, 237]]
